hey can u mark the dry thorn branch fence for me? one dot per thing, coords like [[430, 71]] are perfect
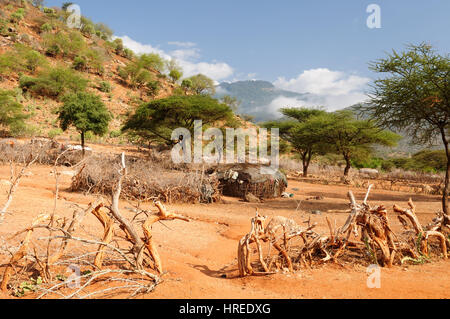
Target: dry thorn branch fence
[[377, 240], [125, 268]]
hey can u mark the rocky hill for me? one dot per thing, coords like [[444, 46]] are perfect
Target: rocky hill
[[36, 41]]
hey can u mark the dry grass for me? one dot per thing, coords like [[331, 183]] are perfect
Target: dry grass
[[147, 179], [396, 180]]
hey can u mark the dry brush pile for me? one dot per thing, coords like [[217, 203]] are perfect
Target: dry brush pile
[[282, 244], [146, 180], [120, 261]]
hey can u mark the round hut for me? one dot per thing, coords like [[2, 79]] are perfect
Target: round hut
[[239, 180]]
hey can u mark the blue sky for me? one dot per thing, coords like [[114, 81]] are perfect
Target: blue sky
[[278, 41]]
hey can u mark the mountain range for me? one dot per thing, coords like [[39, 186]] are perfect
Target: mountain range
[[260, 99]]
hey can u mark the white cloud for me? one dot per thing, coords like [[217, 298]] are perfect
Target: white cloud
[[182, 44], [272, 110], [140, 48], [187, 57], [332, 89], [186, 54]]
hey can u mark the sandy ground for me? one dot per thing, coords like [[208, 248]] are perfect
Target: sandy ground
[[200, 257]]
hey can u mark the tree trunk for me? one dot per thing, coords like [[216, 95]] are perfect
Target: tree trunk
[[445, 194], [348, 165], [306, 160], [82, 144]]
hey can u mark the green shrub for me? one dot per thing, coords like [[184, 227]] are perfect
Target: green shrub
[[95, 58], [387, 166], [80, 63], [21, 59], [105, 87], [374, 163], [68, 44], [46, 27], [427, 161], [175, 75], [105, 30], [115, 134], [54, 83], [152, 61], [4, 28], [55, 133], [88, 29], [128, 54], [17, 16], [118, 46], [49, 11], [11, 112], [53, 50]]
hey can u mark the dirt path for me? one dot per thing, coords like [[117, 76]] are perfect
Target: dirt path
[[200, 257]]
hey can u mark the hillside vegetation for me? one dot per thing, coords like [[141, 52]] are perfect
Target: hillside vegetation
[[42, 60]]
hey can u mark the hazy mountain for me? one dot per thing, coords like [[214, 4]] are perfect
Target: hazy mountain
[[261, 99], [406, 147]]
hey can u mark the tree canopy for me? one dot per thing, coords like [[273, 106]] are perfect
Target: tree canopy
[[304, 135], [156, 120], [201, 84], [352, 138], [414, 96], [86, 112], [314, 131]]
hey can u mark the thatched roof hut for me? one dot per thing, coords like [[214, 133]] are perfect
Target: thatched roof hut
[[238, 180]]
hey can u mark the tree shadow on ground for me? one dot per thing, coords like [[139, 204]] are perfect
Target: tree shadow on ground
[[224, 273]]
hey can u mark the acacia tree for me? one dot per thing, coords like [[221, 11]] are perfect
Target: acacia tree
[[201, 84], [351, 137], [231, 101], [156, 120], [86, 112], [415, 97], [303, 130]]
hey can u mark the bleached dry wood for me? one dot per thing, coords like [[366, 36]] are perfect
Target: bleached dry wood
[[411, 215], [424, 233], [22, 251], [108, 225], [147, 229]]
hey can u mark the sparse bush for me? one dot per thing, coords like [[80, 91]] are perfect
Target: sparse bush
[[105, 87], [128, 54], [104, 30], [11, 112], [53, 50], [46, 27], [17, 16], [80, 63], [54, 83], [4, 28], [175, 75], [88, 29], [21, 59], [153, 87], [68, 44], [54, 133], [118, 46], [152, 61], [115, 134], [49, 11]]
